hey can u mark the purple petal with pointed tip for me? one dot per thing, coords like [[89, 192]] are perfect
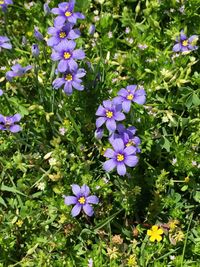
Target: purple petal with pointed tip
[[76, 210], [76, 189], [70, 200], [88, 209]]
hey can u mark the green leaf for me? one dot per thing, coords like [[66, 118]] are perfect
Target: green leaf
[[11, 190], [166, 144], [3, 202], [197, 196], [195, 100]]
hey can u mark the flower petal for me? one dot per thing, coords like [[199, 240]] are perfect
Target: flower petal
[[78, 54], [121, 169], [100, 111], [88, 209], [16, 117], [68, 88], [100, 121], [85, 190], [109, 153], [131, 161], [126, 105], [109, 165], [177, 47], [107, 104], [129, 150], [57, 83], [119, 116], [76, 189], [76, 210], [70, 200], [111, 125], [62, 65], [118, 145], [15, 128], [93, 199]]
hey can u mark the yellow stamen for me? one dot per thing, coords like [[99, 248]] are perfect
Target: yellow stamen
[[109, 114], [67, 55], [81, 200], [62, 35], [1, 2], [120, 157], [68, 13], [185, 43], [68, 77], [130, 143], [130, 97]]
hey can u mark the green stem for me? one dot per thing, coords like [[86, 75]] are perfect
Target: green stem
[[74, 123], [186, 238]]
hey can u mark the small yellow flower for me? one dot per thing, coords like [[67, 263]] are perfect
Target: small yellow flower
[[187, 179], [173, 224], [179, 236], [19, 223], [155, 233], [132, 261], [112, 253]]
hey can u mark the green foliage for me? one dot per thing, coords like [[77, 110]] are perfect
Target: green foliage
[[39, 164]]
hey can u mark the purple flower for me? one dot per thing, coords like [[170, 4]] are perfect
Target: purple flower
[[61, 33], [24, 40], [66, 54], [185, 44], [142, 46], [38, 34], [81, 200], [70, 79], [128, 95], [8, 123], [92, 29], [120, 157], [5, 42], [128, 136], [17, 71], [35, 50], [65, 11], [46, 8], [4, 3], [109, 113], [99, 133], [1, 92]]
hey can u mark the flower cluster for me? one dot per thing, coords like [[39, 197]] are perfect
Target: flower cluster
[[63, 45], [123, 140]]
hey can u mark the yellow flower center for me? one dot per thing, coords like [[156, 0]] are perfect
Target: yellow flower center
[[120, 157], [130, 143], [68, 13], [185, 43], [62, 35], [68, 77], [109, 114], [1, 2], [130, 97], [67, 55], [81, 200]]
